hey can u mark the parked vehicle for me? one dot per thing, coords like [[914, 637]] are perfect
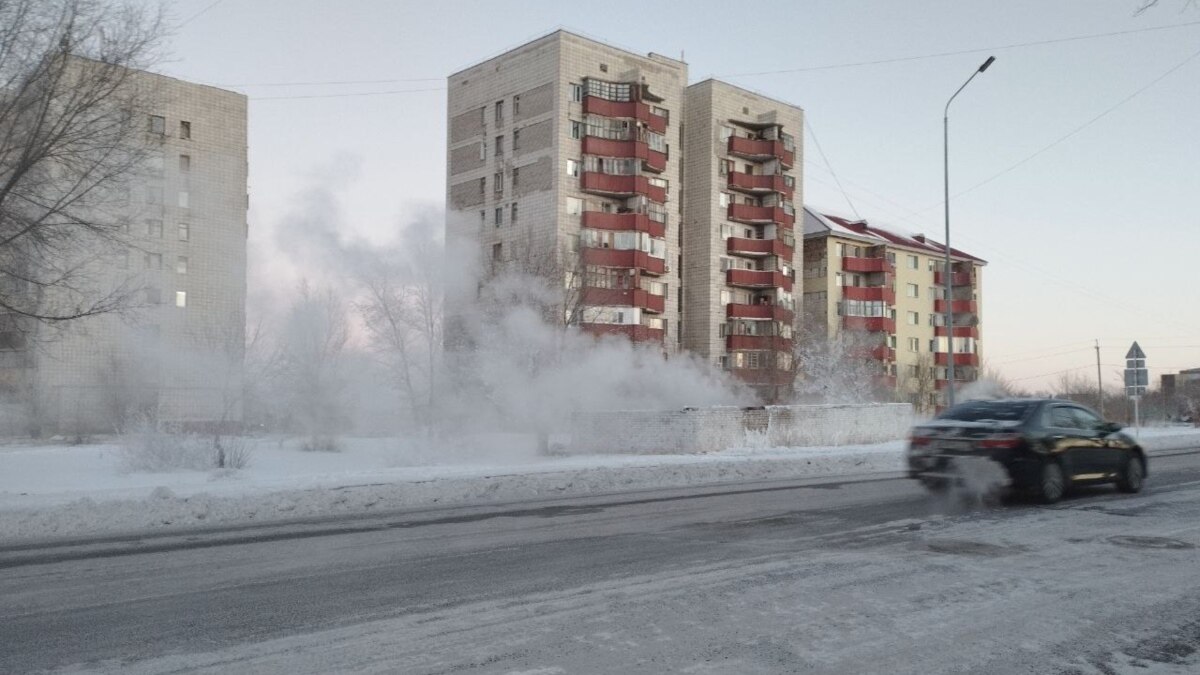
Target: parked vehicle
[[1044, 445]]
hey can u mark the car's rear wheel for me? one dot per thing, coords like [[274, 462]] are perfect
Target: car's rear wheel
[[1052, 483], [1132, 476]]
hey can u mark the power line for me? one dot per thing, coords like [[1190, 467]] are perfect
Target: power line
[[195, 16], [333, 82], [1036, 43], [813, 134], [1043, 356], [363, 93]]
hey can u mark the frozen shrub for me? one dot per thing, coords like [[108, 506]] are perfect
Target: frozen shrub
[[320, 443]]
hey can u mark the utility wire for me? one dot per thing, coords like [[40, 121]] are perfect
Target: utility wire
[[829, 166], [1018, 45], [333, 82], [197, 15], [363, 93]]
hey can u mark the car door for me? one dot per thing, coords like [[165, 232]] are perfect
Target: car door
[[1064, 438], [1094, 453]]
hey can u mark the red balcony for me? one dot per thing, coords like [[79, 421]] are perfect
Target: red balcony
[[959, 381], [624, 297], [611, 257], [942, 359], [956, 306], [759, 342], [852, 264], [593, 105], [760, 150], [636, 222], [871, 324], [758, 247], [758, 279], [956, 278], [959, 331], [759, 183], [606, 147], [622, 186], [635, 332], [748, 213], [870, 293], [883, 353], [774, 312]]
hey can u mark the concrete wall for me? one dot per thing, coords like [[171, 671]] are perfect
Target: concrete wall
[[703, 430]]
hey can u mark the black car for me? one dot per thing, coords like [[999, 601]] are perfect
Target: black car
[[1044, 445]]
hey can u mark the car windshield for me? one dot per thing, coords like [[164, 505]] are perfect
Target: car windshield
[[979, 411]]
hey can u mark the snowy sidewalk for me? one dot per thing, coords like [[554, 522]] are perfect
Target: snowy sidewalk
[[65, 491]]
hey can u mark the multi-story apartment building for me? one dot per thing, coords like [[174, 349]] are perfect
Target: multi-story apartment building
[[564, 158], [177, 355], [887, 288], [743, 168]]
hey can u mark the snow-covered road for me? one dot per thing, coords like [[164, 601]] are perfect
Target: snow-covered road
[[851, 577]]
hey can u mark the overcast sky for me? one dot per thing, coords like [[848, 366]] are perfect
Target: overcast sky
[[1094, 236]]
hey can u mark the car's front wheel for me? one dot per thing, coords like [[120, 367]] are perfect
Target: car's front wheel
[[1132, 476], [1052, 483]]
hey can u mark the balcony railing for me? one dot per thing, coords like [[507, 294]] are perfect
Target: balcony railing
[[871, 293], [956, 306], [854, 264], [635, 332], [956, 278], [761, 150], [765, 342], [760, 183], [622, 186], [871, 324], [774, 312], [624, 297], [635, 222], [758, 247], [606, 147], [960, 359], [630, 258], [758, 279], [594, 105], [748, 213], [959, 331]]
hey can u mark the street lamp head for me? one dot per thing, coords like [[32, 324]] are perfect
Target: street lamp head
[[987, 63]]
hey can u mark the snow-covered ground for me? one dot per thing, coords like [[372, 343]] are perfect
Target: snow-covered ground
[[59, 490]]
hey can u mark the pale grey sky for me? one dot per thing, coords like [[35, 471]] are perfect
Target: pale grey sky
[[1097, 236]]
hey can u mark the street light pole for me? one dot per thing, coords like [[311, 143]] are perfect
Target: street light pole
[[949, 280]]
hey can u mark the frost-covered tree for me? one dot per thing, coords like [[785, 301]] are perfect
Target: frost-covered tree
[[311, 356], [838, 368]]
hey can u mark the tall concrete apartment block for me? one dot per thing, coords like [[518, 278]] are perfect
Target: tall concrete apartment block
[[886, 288], [743, 168], [564, 155], [179, 356]]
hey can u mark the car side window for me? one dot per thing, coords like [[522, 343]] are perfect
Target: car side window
[[1086, 420], [1061, 418]]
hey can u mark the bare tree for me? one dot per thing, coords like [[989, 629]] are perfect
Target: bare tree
[[311, 355], [403, 313], [73, 121]]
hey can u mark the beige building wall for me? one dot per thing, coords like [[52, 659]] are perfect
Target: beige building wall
[[544, 77], [715, 109], [178, 355]]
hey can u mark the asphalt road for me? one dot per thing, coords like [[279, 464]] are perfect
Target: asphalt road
[[857, 576]]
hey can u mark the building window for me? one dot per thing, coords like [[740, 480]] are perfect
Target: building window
[[153, 261], [576, 129], [911, 290], [185, 130], [497, 252], [891, 258], [914, 318], [726, 132], [513, 217], [574, 206], [498, 183], [576, 92], [839, 250], [499, 112], [483, 116], [913, 262], [183, 199], [516, 177], [482, 218], [154, 229], [482, 186], [573, 167], [516, 105], [181, 298], [185, 163], [499, 143], [516, 140], [181, 264], [724, 199], [158, 124], [482, 150], [914, 344], [185, 232], [499, 217]]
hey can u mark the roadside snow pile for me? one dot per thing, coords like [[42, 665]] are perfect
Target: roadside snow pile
[[230, 498]]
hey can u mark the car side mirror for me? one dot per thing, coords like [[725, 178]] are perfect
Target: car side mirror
[[1111, 427]]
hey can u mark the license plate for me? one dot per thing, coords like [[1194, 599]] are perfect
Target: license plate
[[954, 446]]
